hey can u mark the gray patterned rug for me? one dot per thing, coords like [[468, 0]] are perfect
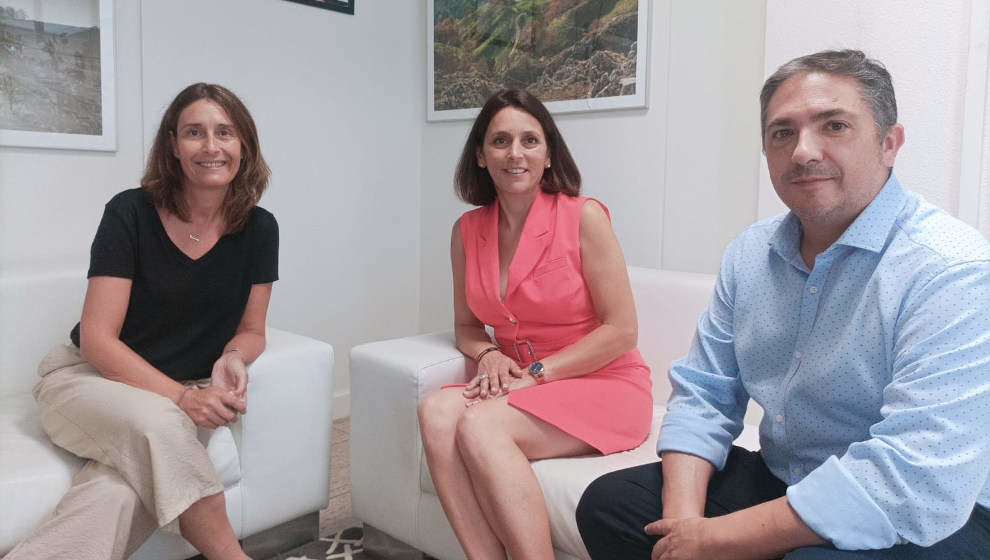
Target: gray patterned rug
[[343, 545]]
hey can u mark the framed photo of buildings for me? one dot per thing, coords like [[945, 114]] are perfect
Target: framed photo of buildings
[[57, 74], [575, 55]]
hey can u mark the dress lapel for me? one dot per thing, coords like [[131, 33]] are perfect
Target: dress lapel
[[532, 243], [488, 252]]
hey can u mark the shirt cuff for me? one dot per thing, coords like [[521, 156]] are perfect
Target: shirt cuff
[[676, 437], [833, 503]]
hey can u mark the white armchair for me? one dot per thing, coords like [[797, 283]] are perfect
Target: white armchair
[[274, 461], [391, 487]]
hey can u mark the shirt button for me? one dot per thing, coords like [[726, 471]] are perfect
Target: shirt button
[[780, 418], [797, 471], [813, 289], [798, 355], [512, 320]]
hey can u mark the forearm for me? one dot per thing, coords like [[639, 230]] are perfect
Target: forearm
[[591, 353], [471, 340], [767, 530], [117, 362], [685, 484], [248, 345]]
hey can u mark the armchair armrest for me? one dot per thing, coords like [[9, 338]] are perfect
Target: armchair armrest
[[285, 436], [388, 380]]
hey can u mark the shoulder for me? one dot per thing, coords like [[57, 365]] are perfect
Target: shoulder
[[262, 220], [129, 200], [473, 217], [594, 213], [945, 238]]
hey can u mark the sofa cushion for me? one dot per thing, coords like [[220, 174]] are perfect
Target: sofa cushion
[[35, 473], [563, 480]]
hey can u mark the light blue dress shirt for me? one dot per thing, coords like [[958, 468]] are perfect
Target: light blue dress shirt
[[873, 370]]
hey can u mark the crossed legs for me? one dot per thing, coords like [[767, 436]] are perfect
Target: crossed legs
[[479, 460], [144, 453]]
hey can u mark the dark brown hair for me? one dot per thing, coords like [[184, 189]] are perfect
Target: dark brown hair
[[474, 185], [163, 176]]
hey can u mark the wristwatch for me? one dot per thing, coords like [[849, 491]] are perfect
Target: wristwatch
[[536, 370]]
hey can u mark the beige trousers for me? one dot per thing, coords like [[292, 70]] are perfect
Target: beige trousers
[[146, 465]]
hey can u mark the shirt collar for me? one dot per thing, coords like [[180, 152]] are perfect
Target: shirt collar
[[871, 228], [868, 231]]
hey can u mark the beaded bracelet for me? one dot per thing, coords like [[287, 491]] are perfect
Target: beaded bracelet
[[485, 351]]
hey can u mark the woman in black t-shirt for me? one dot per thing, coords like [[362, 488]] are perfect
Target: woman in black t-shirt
[[180, 276]]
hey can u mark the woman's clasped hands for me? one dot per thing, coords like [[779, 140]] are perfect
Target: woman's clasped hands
[[226, 396], [497, 375]]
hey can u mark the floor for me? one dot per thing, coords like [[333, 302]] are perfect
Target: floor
[[338, 515]]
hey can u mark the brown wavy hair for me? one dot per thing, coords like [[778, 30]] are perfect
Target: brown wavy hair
[[163, 176], [474, 185]]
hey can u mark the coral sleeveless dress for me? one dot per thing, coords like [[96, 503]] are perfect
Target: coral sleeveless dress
[[548, 307]]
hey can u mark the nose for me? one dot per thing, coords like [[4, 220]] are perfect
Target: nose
[[808, 148], [515, 149], [209, 142]]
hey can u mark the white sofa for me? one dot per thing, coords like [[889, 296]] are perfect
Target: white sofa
[[391, 487], [274, 461]]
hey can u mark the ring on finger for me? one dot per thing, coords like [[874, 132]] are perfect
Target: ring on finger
[[483, 376]]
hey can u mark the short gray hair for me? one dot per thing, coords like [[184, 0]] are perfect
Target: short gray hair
[[874, 80]]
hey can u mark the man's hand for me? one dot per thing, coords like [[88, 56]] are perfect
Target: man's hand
[[686, 539]]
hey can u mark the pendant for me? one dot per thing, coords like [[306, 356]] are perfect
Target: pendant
[[194, 237]]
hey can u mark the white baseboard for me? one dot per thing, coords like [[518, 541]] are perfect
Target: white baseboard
[[341, 404]]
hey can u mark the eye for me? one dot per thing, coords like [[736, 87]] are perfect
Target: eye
[[781, 133], [532, 140], [499, 141], [836, 126]]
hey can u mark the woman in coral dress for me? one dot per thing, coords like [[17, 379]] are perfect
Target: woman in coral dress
[[542, 266]]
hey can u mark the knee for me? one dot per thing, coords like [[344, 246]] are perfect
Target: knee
[[163, 424], [596, 502], [436, 419], [475, 433]]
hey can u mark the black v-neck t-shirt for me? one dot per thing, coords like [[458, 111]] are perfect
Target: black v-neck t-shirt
[[181, 311]]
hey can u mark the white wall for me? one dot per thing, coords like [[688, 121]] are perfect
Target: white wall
[[338, 102], [680, 177]]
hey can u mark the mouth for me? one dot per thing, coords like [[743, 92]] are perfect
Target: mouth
[[515, 171], [211, 164], [808, 180]]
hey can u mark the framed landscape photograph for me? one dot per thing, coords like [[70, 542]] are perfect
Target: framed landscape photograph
[[346, 6], [57, 74], [575, 55]]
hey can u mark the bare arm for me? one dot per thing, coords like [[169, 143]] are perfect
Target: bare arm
[[104, 309], [248, 342], [685, 484], [604, 270]]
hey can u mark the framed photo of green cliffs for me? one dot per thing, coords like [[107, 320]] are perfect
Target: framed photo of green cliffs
[[575, 55]]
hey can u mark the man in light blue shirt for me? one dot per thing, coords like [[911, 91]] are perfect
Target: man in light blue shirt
[[860, 322]]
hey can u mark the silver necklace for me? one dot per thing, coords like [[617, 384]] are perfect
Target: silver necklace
[[194, 237]]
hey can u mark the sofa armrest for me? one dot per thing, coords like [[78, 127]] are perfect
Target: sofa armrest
[[285, 436], [388, 380]]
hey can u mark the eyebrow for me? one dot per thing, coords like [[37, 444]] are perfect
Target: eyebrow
[[824, 115]]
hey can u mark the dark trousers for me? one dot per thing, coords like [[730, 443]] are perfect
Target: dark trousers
[[617, 506]]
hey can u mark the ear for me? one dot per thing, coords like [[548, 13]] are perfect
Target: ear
[[175, 147], [892, 142], [480, 156]]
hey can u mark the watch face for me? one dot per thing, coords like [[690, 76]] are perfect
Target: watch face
[[536, 368]]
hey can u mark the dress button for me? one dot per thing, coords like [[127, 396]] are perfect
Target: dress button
[[780, 417], [512, 320], [813, 289]]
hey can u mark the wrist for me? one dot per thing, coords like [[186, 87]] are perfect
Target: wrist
[[485, 352], [182, 395]]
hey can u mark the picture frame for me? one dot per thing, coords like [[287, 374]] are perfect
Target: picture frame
[[532, 50], [58, 75], [345, 6]]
